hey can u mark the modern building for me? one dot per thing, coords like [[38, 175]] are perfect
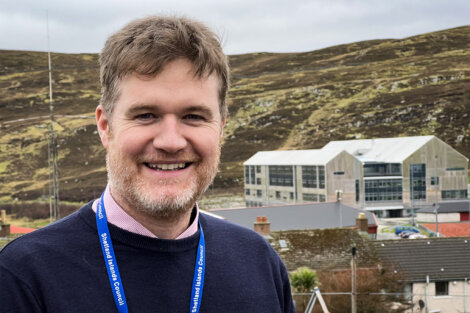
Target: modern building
[[391, 177]]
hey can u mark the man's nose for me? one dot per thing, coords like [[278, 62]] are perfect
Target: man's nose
[[170, 136]]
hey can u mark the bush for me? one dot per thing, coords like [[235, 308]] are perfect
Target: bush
[[303, 279]]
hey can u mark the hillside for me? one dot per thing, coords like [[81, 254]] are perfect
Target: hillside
[[379, 88]]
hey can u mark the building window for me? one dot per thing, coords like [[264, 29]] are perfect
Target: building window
[[418, 181], [247, 174], [258, 169], [310, 197], [278, 195], [321, 198], [357, 191], [338, 173], [382, 169], [435, 181], [281, 176], [321, 177], [454, 194], [247, 192], [455, 169], [442, 288], [252, 175], [258, 181], [380, 190], [309, 176], [291, 196], [259, 193]]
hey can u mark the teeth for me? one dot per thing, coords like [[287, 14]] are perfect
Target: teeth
[[166, 167]]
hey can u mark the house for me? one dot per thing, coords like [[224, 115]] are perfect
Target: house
[[437, 271], [391, 177], [301, 216]]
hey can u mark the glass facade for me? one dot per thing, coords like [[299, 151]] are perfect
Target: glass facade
[[358, 191], [321, 177], [454, 194], [309, 176], [252, 175], [310, 197], [382, 169], [281, 176], [418, 181], [380, 190]]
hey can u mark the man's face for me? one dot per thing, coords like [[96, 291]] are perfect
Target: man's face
[[163, 140]]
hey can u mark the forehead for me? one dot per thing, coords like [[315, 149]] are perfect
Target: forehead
[[175, 84]]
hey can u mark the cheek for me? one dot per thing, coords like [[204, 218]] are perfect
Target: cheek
[[208, 146], [129, 143]]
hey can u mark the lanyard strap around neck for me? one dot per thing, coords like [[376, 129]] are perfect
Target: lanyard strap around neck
[[113, 271]]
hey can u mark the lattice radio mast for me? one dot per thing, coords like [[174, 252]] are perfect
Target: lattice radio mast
[[52, 146]]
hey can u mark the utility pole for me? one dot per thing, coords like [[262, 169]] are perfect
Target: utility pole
[[412, 195], [353, 281], [52, 145], [436, 186], [339, 198]]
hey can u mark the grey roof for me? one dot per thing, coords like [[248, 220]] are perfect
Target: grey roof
[[298, 216], [292, 157], [449, 207], [440, 258], [392, 150]]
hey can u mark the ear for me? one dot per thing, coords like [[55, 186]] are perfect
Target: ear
[[102, 123]]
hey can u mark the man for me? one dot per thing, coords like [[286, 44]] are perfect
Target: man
[[145, 246]]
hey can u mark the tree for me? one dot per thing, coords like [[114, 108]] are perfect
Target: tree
[[303, 279]]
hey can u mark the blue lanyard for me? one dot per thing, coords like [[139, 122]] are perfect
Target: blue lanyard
[[115, 277]]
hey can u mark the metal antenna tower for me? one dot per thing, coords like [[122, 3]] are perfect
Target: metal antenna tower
[[52, 146]]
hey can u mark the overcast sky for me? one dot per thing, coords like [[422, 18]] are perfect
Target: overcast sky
[[245, 25]]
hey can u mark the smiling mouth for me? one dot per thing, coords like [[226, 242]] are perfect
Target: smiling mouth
[[167, 167]]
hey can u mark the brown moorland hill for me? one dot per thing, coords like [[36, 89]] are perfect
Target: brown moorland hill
[[373, 89]]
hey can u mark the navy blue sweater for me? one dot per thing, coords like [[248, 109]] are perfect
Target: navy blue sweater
[[60, 268]]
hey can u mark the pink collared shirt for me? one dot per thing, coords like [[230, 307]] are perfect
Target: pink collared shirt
[[118, 217]]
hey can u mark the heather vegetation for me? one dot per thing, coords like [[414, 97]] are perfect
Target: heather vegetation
[[372, 89]]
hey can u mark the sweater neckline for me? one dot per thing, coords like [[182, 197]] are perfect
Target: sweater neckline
[[130, 239]]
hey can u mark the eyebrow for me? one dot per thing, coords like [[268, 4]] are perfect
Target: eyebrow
[[139, 107]]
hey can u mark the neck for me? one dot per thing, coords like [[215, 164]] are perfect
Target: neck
[[163, 227]]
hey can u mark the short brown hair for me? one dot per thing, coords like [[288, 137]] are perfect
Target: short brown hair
[[146, 45]]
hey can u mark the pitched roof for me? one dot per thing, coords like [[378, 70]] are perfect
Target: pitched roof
[[292, 157], [449, 207], [380, 150], [450, 229], [298, 216], [440, 258], [324, 249]]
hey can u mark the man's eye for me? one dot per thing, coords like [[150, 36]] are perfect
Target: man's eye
[[193, 117], [145, 116]]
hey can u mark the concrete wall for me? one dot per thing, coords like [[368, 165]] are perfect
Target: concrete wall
[[454, 302], [442, 217]]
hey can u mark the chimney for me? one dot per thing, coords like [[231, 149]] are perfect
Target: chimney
[[262, 226], [362, 223], [4, 228]]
